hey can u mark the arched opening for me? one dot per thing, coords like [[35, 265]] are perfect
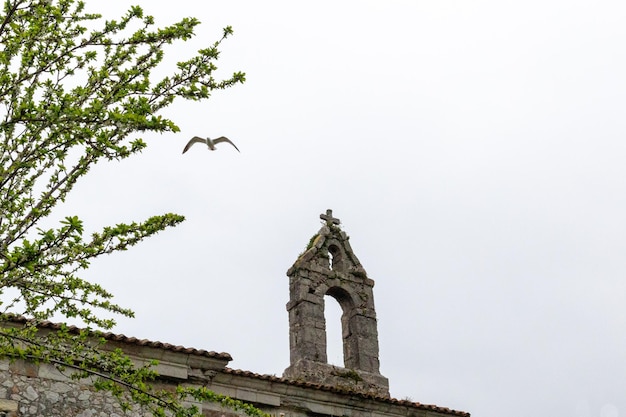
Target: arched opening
[[337, 313], [334, 331], [334, 255]]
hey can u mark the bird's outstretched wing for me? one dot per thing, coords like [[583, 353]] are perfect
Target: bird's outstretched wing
[[225, 139], [195, 139]]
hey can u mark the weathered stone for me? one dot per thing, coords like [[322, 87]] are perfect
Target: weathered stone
[[29, 369], [52, 396], [61, 387], [328, 217], [48, 371], [30, 393], [84, 396], [8, 405], [333, 269]]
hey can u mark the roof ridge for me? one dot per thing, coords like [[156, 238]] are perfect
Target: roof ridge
[[116, 337], [330, 388]]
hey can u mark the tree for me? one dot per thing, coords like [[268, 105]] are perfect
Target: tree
[[75, 91]]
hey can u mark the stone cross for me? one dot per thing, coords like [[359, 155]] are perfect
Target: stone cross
[[328, 217]]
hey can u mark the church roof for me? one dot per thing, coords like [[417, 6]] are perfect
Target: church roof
[[339, 390], [113, 337], [133, 341], [327, 266]]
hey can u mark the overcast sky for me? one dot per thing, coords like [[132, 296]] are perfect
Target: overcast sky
[[473, 150]]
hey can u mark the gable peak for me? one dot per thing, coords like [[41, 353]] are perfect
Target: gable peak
[[329, 250]]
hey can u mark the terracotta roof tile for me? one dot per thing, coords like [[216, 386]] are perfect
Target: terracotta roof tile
[[125, 339], [320, 387]]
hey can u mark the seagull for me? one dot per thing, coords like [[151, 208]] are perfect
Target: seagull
[[210, 142]]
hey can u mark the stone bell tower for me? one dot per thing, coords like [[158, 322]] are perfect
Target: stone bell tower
[[329, 267]]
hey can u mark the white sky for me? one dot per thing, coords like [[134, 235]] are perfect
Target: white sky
[[475, 153]]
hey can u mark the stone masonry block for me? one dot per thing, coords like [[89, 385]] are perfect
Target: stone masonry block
[[47, 371], [25, 368]]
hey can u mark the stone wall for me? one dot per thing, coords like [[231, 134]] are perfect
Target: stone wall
[[30, 390], [27, 389]]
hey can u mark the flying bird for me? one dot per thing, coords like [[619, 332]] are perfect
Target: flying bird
[[209, 142]]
